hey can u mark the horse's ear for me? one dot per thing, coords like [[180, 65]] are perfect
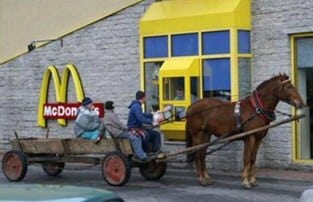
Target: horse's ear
[[286, 76]]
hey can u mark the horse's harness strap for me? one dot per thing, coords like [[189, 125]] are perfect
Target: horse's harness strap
[[237, 116], [265, 114]]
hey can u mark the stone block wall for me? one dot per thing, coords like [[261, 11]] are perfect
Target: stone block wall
[[273, 22], [106, 54]]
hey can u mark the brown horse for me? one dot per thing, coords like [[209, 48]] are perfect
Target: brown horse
[[213, 116]]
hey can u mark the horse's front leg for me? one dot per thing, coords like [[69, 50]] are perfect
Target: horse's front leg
[[252, 172], [248, 146]]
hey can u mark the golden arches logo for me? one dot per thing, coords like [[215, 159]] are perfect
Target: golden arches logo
[[61, 88]]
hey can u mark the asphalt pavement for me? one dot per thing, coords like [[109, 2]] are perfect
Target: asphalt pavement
[[180, 185]]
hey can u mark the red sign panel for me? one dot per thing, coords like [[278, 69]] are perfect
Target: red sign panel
[[68, 110]]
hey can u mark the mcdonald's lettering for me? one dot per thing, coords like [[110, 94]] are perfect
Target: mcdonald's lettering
[[61, 110], [67, 110]]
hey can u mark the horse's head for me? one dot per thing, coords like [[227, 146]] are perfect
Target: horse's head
[[288, 93]]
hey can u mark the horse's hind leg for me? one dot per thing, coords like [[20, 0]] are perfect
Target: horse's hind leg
[[207, 179], [200, 160], [204, 178]]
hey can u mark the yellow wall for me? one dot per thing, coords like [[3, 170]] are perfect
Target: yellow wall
[[23, 21]]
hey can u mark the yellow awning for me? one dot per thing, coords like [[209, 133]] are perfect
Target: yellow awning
[[175, 67], [194, 15]]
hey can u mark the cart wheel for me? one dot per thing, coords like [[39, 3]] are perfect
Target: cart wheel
[[53, 168], [14, 165], [115, 169], [153, 170]]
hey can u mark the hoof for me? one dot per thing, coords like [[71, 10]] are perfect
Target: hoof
[[205, 182], [246, 186], [253, 182]]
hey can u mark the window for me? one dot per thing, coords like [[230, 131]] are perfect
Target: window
[[174, 88], [244, 41], [305, 52], [215, 42], [155, 47], [185, 44], [152, 85], [194, 89], [304, 72], [216, 78], [244, 77]]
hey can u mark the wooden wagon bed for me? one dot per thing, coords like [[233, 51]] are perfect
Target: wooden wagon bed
[[70, 146]]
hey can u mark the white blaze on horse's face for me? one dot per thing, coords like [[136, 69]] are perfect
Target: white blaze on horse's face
[[289, 94]]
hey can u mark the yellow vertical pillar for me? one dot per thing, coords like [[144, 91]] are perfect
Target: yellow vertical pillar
[[234, 64]]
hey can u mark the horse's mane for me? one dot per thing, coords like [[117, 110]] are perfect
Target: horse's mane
[[281, 77]]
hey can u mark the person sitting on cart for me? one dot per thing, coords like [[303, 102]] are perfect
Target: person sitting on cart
[[87, 123], [117, 129], [136, 121]]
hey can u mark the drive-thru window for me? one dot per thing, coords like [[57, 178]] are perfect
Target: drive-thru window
[[192, 52]]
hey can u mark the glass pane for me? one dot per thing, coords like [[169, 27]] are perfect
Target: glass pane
[[180, 113], [305, 53], [194, 88], [305, 126], [244, 77], [185, 44], [168, 112], [215, 42], [152, 85], [174, 88], [216, 78], [155, 47], [244, 41]]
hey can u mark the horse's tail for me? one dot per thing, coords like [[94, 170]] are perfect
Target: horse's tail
[[190, 156]]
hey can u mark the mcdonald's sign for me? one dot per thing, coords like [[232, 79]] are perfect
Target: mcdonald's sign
[[61, 110]]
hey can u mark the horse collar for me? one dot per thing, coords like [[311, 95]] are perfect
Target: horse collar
[[257, 104]]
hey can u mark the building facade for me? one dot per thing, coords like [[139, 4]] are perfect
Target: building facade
[[114, 54]]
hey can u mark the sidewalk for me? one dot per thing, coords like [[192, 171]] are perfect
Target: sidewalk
[[294, 175]]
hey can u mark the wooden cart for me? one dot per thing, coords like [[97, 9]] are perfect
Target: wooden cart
[[114, 155]]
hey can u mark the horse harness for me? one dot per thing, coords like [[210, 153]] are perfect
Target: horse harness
[[258, 106], [265, 114], [237, 115]]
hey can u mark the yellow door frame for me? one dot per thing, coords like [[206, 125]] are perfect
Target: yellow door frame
[[296, 137]]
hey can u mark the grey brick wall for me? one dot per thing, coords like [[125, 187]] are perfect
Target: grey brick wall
[[273, 22], [107, 56]]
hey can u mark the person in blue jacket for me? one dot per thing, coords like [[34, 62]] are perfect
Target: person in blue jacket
[[136, 121]]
